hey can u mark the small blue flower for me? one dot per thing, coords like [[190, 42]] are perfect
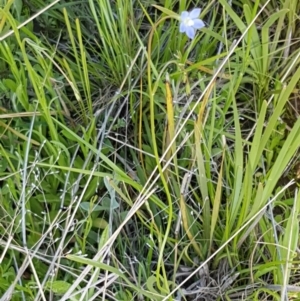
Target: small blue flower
[[190, 22]]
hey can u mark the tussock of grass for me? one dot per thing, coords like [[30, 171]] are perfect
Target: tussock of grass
[[137, 164]]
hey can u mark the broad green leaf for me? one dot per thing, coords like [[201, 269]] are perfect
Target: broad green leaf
[[58, 287]]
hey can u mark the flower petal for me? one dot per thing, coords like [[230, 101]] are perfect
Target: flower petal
[[198, 24], [190, 32], [194, 14], [184, 15], [182, 27]]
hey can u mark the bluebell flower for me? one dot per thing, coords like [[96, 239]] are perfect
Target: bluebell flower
[[190, 22]]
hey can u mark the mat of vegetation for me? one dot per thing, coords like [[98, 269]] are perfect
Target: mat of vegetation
[[149, 150]]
